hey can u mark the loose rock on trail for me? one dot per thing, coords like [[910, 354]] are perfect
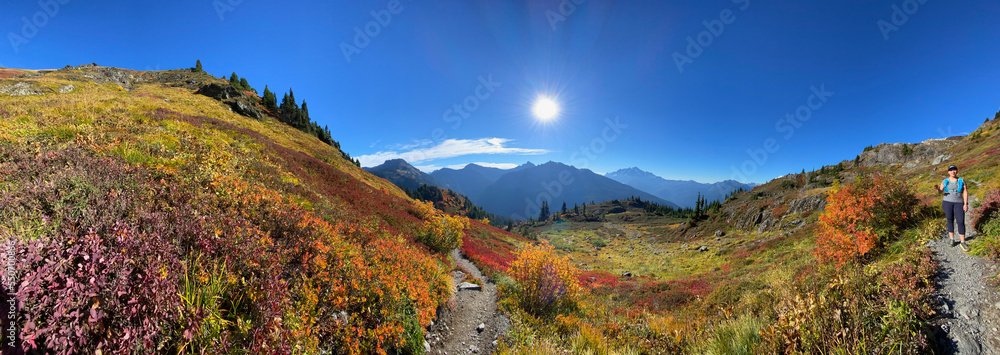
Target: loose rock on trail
[[473, 323]]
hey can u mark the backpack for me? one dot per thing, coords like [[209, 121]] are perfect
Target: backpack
[[961, 184]]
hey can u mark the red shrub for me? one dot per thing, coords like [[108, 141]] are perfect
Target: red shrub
[[911, 282], [988, 210]]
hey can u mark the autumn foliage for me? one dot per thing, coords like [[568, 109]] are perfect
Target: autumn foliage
[[121, 259], [988, 210], [443, 232], [986, 220], [546, 281], [861, 216]]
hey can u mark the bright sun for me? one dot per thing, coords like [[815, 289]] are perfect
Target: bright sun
[[545, 109]]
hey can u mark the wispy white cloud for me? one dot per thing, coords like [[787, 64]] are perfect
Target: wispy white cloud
[[420, 151], [412, 145]]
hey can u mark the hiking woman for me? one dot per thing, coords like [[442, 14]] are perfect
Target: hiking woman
[[955, 204]]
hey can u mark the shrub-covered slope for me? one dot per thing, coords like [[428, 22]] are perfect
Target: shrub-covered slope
[[147, 218]]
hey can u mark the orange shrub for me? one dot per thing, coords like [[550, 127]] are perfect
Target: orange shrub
[[547, 282], [860, 217]]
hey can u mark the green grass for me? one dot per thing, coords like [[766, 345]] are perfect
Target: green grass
[[734, 337]]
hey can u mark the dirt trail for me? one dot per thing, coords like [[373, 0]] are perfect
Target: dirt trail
[[969, 311], [456, 330]]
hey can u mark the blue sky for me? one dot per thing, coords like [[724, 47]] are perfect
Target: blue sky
[[612, 67]]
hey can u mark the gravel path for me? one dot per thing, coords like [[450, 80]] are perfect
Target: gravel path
[[457, 330], [969, 311]]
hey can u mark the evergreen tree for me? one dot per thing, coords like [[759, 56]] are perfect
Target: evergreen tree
[[564, 207], [698, 205], [234, 80], [269, 101], [197, 67], [576, 209], [245, 85], [304, 117], [543, 214], [287, 110]]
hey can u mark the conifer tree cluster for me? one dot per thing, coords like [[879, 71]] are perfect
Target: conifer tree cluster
[[292, 114], [288, 112], [240, 83]]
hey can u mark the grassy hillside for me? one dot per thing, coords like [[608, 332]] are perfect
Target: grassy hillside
[[157, 220]]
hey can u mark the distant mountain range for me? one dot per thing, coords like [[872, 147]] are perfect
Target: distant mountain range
[[517, 192], [684, 193], [472, 179], [402, 174]]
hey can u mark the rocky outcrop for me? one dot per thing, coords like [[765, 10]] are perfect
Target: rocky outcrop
[[121, 77], [763, 220], [750, 219], [219, 92], [931, 151], [768, 222], [242, 107], [232, 97], [20, 89], [808, 203]]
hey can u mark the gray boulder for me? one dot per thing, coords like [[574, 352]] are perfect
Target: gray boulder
[[219, 92], [242, 107]]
